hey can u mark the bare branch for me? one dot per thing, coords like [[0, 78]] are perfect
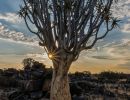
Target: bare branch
[[68, 24]]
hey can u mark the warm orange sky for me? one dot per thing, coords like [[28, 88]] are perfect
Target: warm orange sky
[[86, 62], [77, 67]]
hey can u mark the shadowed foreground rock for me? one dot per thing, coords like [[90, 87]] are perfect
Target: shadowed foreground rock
[[33, 83]]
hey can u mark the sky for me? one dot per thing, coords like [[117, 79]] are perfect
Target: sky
[[17, 43]]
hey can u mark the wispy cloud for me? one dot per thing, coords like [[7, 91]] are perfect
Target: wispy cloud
[[126, 65], [103, 57], [121, 10], [14, 35], [10, 17]]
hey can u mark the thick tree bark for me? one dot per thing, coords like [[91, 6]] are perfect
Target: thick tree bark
[[60, 89]]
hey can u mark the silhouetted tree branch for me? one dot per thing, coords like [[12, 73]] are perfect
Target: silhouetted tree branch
[[68, 24]]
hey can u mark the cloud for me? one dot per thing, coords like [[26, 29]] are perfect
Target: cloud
[[126, 65], [120, 50], [14, 22], [38, 55], [6, 33], [103, 57], [121, 10], [10, 17], [117, 50], [126, 28]]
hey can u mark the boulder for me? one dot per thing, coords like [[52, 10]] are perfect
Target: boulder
[[36, 95], [3, 95], [46, 85], [33, 85]]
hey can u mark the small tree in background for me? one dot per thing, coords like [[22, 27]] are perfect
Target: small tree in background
[[65, 28]]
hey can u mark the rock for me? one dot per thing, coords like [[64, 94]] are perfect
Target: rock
[[79, 97], [36, 74], [74, 89], [44, 99], [36, 95], [8, 82], [3, 95], [46, 85], [33, 85], [14, 94]]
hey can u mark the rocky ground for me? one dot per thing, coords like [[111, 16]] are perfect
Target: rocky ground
[[33, 83]]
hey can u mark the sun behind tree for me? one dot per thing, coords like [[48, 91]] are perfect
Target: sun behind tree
[[50, 56]]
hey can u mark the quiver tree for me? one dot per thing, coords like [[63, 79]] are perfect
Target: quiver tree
[[65, 28]]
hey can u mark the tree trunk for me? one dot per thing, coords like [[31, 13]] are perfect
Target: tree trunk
[[60, 89]]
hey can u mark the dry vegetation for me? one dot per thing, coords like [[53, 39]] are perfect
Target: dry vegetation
[[33, 83]]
